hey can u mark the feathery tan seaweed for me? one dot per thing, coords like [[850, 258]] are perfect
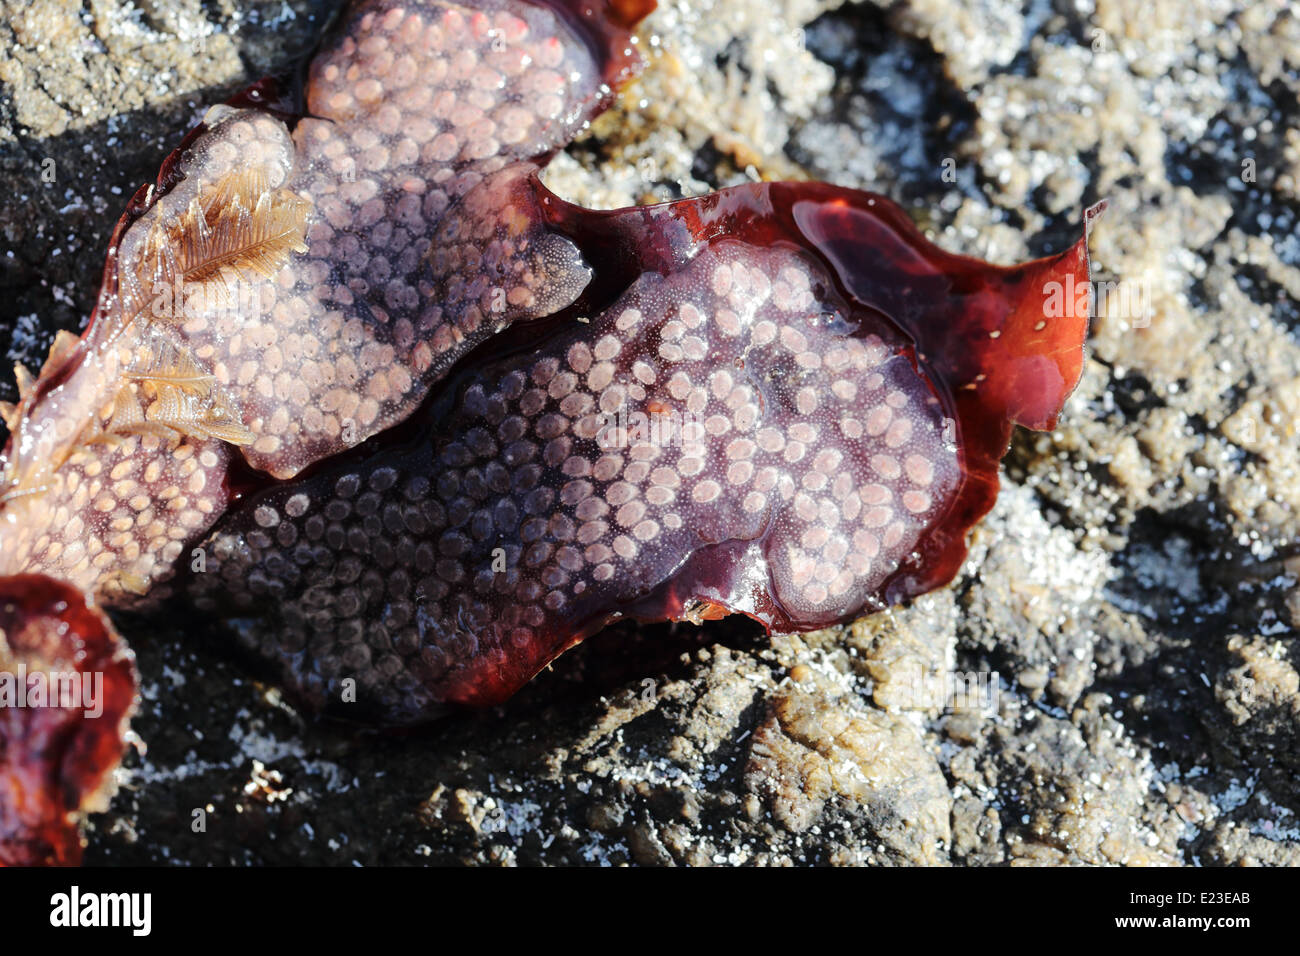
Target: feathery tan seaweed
[[234, 229]]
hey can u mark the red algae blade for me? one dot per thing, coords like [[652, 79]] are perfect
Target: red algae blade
[[780, 401], [67, 689], [608, 26], [462, 424]]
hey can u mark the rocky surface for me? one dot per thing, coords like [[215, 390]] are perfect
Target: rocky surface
[[1127, 618]]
